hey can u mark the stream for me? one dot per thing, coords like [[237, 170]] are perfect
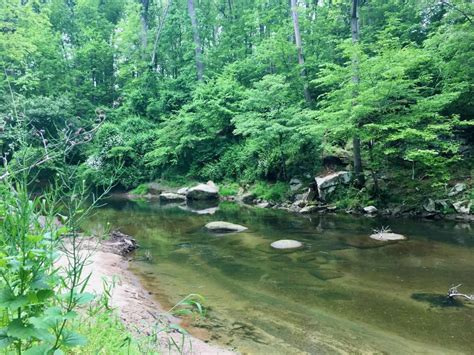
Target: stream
[[341, 293]]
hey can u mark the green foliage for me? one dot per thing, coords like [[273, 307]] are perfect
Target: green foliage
[[118, 150], [271, 192], [248, 120], [229, 189], [105, 334], [141, 189], [192, 304]]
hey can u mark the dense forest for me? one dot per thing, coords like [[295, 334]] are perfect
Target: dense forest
[[255, 97], [244, 90]]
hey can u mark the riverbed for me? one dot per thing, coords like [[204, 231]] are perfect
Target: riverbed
[[341, 293]]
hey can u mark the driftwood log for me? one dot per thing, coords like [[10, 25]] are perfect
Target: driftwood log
[[453, 292], [120, 243]]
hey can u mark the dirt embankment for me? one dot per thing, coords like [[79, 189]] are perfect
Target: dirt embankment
[[141, 314]]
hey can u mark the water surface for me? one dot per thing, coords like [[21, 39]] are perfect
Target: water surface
[[341, 293]]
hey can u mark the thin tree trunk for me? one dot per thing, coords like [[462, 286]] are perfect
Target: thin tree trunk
[[299, 47], [197, 40], [158, 33], [144, 23], [355, 79]]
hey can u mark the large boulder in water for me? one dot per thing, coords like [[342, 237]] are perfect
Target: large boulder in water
[[286, 244], [327, 184], [224, 227], [207, 191], [183, 190]]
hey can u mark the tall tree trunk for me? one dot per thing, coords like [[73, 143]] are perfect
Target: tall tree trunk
[[355, 79], [144, 23], [158, 33], [299, 47], [197, 40]]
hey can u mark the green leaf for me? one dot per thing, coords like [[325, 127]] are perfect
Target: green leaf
[[42, 349], [43, 295], [34, 238], [71, 339], [9, 300], [84, 298], [20, 330], [5, 340]]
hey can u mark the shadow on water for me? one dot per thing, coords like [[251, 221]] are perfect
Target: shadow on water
[[437, 300]]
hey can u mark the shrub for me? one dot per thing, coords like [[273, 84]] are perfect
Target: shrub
[[141, 189], [271, 192], [229, 189]]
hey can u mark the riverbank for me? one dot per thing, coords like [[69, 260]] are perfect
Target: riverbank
[[331, 193], [142, 315]]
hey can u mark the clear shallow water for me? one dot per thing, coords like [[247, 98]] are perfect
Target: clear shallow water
[[341, 293]]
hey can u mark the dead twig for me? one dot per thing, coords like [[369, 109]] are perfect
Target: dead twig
[[453, 292]]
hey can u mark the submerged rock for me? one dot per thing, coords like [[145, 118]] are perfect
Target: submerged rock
[[326, 274], [169, 197], [207, 191], [286, 244], [387, 236], [224, 227]]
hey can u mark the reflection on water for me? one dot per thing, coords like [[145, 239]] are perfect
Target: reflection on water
[[342, 292]]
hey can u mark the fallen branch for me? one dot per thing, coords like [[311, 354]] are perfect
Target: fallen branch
[[453, 292]]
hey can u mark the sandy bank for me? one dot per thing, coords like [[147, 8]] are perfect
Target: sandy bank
[[137, 309]]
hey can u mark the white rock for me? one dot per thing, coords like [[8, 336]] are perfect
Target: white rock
[[211, 184], [264, 204], [387, 236], [203, 192], [286, 244], [430, 206], [183, 190], [169, 196], [463, 207], [220, 226], [370, 209], [456, 189], [328, 184]]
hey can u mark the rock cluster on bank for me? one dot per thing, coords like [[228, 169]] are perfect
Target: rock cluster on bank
[[316, 195]]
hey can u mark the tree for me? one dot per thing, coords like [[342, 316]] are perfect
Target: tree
[[355, 78], [197, 40], [299, 47]]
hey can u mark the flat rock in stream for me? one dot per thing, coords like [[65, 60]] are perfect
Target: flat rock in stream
[[224, 227], [386, 237], [286, 244]]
